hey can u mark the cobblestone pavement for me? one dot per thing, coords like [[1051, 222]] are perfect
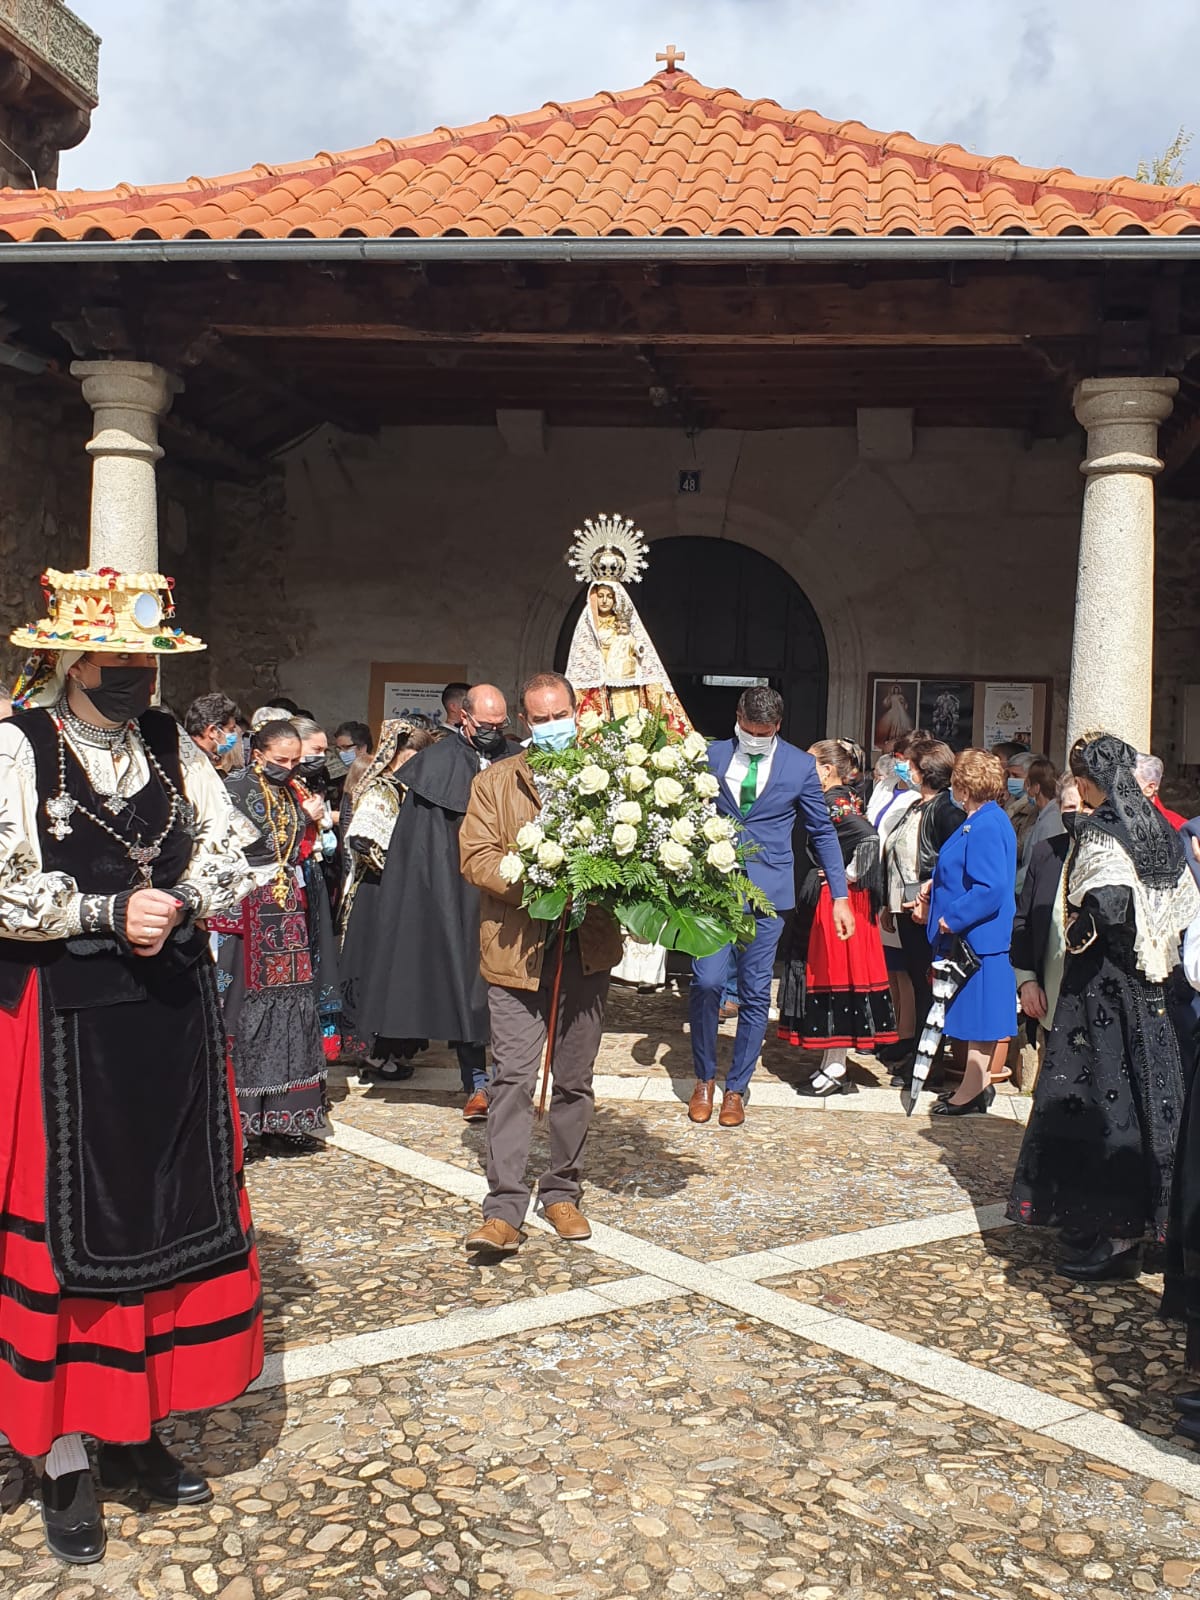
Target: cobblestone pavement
[[902, 1408]]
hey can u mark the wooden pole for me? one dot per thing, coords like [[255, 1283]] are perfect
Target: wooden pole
[[552, 1020]]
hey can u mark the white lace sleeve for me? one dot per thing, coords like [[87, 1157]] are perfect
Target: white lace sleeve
[[218, 876], [33, 904]]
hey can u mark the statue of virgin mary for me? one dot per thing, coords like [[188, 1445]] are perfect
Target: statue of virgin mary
[[615, 670], [613, 664]]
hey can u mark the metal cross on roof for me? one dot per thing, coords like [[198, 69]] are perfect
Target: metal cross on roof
[[670, 55]]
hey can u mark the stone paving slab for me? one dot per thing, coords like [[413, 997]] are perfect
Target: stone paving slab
[[676, 1450], [995, 1301], [711, 1192], [346, 1247]]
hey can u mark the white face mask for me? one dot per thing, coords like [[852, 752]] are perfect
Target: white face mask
[[753, 744]]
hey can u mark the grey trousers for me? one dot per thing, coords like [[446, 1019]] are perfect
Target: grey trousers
[[519, 1019]]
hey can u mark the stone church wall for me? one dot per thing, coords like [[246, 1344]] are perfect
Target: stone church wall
[[439, 545]]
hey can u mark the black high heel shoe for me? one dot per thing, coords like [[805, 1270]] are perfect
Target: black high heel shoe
[[968, 1108], [1104, 1263]]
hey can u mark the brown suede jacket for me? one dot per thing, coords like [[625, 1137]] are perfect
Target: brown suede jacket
[[511, 944]]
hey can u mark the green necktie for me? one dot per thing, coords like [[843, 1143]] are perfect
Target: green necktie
[[749, 792]]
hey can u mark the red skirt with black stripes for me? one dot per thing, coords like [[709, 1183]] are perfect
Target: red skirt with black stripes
[[106, 1367]]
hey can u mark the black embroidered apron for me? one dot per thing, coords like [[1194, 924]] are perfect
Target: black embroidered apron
[[141, 1188]]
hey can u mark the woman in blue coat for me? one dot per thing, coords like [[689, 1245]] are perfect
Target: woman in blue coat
[[973, 899]]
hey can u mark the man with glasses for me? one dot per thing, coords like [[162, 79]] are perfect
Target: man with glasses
[[424, 982]]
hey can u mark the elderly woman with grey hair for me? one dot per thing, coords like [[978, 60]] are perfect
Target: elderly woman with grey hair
[[1148, 770]]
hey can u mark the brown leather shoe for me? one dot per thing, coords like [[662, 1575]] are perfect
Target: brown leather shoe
[[495, 1236], [700, 1106], [733, 1110], [727, 1010], [567, 1220], [476, 1108]]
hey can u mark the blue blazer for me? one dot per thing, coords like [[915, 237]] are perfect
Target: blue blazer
[[792, 791], [974, 881]]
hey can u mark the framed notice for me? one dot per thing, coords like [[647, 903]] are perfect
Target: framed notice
[[960, 710], [402, 687]]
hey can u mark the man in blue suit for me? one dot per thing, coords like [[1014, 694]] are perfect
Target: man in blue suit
[[766, 786]]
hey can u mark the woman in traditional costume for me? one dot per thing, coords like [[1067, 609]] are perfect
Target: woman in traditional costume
[[277, 956], [835, 995], [615, 671], [130, 1286], [1099, 1152], [367, 844]]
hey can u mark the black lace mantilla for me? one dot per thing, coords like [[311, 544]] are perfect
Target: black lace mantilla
[[1127, 816]]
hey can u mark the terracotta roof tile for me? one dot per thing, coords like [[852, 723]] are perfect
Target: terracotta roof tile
[[671, 157]]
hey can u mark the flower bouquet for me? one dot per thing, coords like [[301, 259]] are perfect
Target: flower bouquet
[[629, 822]]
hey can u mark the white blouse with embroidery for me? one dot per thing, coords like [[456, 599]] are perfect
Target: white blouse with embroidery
[[35, 904]]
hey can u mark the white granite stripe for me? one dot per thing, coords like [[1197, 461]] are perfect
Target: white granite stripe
[[1123, 1446], [891, 1237]]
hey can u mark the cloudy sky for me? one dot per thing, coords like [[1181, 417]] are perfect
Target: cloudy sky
[[211, 86]]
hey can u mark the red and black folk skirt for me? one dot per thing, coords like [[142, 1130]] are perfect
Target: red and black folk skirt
[[834, 993], [112, 1362]]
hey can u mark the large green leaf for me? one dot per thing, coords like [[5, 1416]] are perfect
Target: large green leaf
[[548, 907], [692, 933]]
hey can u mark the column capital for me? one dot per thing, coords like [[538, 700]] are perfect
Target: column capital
[[129, 385], [1122, 418]]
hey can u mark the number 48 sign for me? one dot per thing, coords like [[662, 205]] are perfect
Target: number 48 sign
[[689, 481]]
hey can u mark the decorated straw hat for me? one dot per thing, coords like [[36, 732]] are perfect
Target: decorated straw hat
[[114, 613]]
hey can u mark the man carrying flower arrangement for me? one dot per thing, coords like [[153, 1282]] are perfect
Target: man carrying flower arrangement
[[768, 786], [519, 961]]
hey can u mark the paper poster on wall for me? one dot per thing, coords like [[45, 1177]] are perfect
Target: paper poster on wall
[[947, 709], [403, 699], [1008, 714]]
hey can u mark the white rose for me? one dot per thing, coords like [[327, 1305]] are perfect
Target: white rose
[[628, 811], [706, 785], [624, 839], [589, 721], [666, 759], [635, 726], [636, 755], [683, 831], [674, 857], [637, 779], [667, 792], [585, 829], [530, 836], [550, 855], [511, 868], [695, 746], [717, 828], [722, 856], [592, 779]]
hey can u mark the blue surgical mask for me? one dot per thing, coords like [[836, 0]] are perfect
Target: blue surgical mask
[[1032, 801], [347, 756], [1016, 787], [903, 771], [556, 735], [228, 742]]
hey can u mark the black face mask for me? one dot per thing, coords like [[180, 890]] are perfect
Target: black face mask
[[490, 741], [123, 693], [1071, 821], [274, 773], [312, 767]]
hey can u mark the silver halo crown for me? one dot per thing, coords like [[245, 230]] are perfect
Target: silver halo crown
[[608, 550]]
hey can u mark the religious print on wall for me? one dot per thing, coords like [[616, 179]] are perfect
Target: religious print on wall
[[894, 702], [947, 709]]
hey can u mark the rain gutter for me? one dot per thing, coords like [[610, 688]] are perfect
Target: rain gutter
[[706, 251]]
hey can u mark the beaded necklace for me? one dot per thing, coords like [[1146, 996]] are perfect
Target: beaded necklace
[[62, 805], [284, 827]]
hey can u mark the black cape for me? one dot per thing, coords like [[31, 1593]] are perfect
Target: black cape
[[422, 978]]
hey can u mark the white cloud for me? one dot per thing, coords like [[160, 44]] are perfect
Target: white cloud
[[210, 86]]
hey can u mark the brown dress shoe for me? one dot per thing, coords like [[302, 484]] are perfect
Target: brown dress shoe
[[733, 1110], [700, 1106], [727, 1010], [476, 1108], [495, 1236], [567, 1220]]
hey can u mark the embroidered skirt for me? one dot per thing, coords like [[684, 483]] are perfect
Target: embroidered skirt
[[106, 1365], [835, 994]]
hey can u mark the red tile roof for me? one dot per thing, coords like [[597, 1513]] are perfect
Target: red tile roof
[[671, 157]]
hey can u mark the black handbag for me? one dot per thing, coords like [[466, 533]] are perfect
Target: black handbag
[[963, 960]]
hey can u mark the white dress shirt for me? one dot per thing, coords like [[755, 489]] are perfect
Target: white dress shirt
[[740, 765]]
